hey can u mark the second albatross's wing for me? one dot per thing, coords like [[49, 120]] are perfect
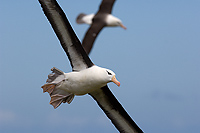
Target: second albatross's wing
[[91, 35], [106, 6]]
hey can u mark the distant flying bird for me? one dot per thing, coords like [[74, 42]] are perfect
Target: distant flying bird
[[86, 77], [102, 18]]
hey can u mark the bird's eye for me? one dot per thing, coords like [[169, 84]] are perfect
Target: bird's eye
[[109, 73]]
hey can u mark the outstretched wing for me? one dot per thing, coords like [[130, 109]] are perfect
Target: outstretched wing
[[114, 111], [106, 6], [78, 58], [91, 34], [98, 22]]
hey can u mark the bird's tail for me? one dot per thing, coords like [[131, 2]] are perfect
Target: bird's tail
[[79, 18], [55, 79]]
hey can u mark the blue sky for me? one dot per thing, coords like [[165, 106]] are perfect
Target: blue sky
[[156, 60]]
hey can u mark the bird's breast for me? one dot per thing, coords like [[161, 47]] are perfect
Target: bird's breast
[[81, 84]]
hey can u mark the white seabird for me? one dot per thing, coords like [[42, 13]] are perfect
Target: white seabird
[[98, 21], [81, 63], [62, 87]]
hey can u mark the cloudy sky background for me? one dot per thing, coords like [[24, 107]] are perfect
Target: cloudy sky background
[[156, 60]]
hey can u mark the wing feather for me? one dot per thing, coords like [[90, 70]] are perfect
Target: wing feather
[[114, 111], [91, 35], [78, 58], [106, 6]]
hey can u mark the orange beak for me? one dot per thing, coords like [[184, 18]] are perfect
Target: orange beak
[[121, 25], [114, 80]]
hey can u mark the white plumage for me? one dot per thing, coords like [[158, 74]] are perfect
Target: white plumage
[[62, 87]]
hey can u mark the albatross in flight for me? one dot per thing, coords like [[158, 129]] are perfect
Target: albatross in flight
[[102, 18], [85, 77]]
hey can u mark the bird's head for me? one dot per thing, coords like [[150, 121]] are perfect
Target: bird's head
[[114, 21], [110, 76], [100, 76]]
